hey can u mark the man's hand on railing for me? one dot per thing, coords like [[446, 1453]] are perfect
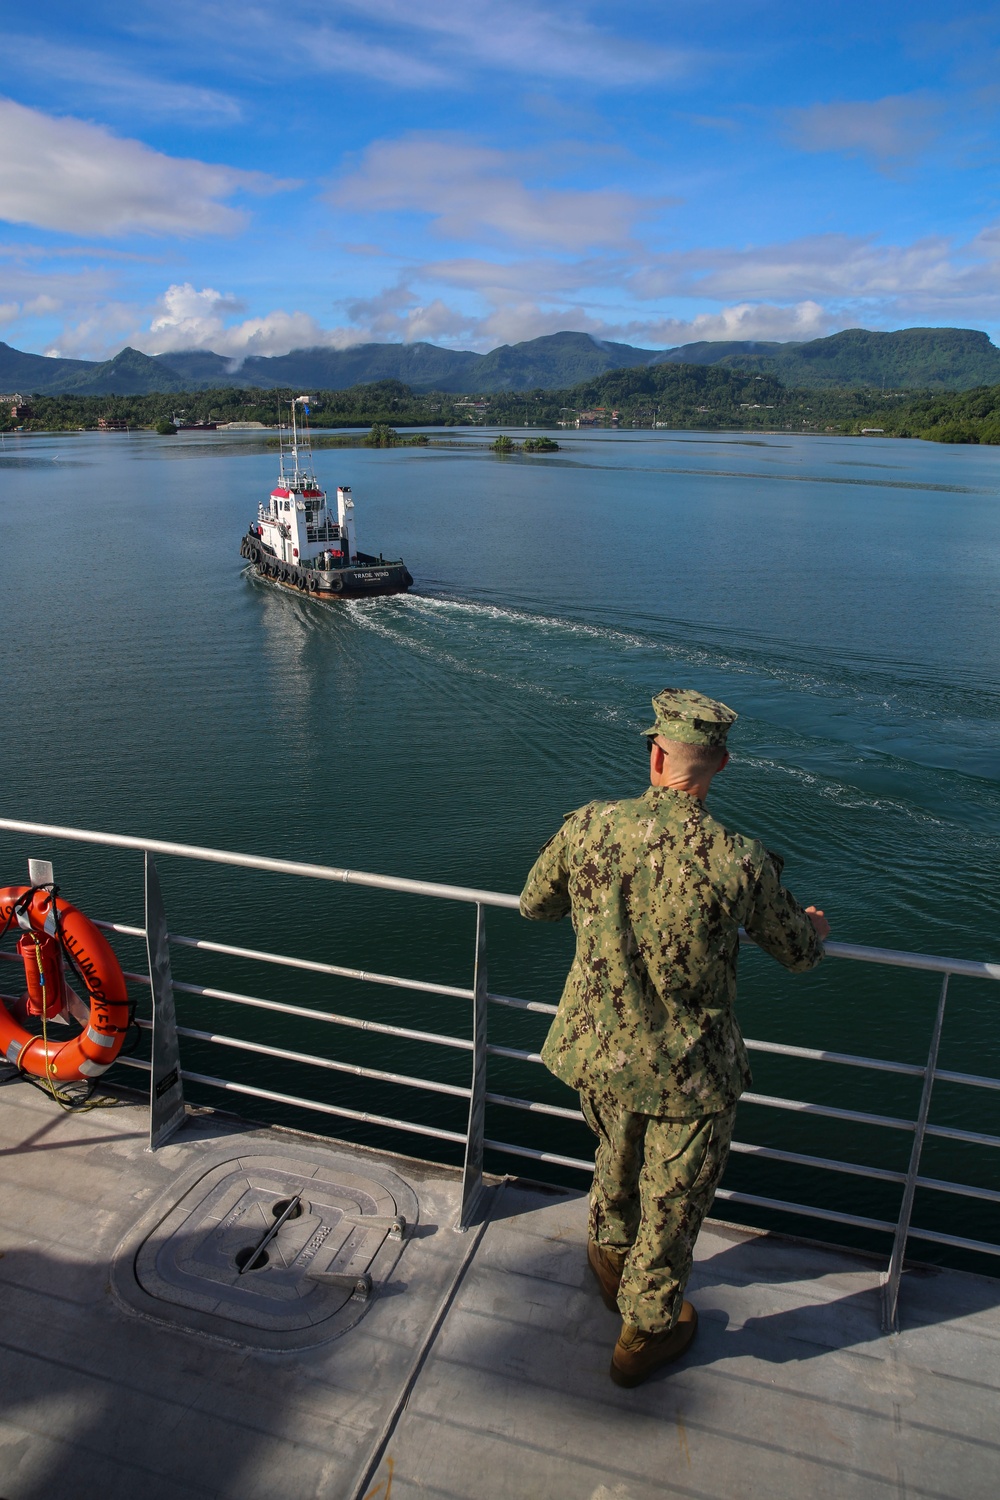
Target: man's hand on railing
[[818, 920]]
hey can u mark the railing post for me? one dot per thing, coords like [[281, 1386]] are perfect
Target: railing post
[[472, 1172], [890, 1287], [166, 1091]]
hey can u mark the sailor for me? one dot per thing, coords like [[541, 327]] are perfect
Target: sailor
[[646, 1030]]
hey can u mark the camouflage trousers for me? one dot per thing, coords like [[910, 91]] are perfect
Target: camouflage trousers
[[654, 1181]]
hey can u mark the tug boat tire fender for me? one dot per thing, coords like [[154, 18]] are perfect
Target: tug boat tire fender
[[92, 1052]]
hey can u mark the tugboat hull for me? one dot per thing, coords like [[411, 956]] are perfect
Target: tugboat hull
[[366, 579]]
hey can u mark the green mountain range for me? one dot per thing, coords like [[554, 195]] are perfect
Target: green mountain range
[[128, 374], [924, 359], [928, 359]]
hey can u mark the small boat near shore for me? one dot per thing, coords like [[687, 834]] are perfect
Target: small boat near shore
[[297, 543]]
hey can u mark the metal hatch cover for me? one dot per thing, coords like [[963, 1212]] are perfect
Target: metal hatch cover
[[277, 1250]]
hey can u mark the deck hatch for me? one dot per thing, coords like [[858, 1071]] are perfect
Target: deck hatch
[[268, 1250]]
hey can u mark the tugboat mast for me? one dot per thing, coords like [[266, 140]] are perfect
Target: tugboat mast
[[297, 476]]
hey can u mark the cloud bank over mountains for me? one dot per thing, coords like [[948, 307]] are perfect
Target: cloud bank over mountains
[[216, 177]]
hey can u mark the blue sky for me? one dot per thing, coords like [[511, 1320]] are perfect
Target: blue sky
[[253, 179]]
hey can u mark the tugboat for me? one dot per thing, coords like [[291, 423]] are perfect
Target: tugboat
[[296, 542]]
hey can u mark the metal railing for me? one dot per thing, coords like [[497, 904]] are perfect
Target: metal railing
[[167, 1076]]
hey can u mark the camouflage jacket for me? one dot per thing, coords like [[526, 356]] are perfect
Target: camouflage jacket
[[658, 890]]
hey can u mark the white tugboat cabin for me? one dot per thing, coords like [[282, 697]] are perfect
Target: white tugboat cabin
[[298, 543]]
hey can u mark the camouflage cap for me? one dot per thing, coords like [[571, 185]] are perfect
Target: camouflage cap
[[691, 717]]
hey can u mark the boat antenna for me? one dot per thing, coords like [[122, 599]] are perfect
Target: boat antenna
[[302, 401]]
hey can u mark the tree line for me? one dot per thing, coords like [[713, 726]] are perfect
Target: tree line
[[696, 397]]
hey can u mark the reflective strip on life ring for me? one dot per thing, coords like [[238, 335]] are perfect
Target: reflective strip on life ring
[[95, 1049]]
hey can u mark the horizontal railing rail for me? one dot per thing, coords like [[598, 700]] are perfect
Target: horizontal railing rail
[[476, 1093]]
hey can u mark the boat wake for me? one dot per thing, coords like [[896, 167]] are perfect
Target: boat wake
[[849, 730]]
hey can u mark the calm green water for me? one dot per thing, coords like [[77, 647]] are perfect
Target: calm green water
[[843, 596]]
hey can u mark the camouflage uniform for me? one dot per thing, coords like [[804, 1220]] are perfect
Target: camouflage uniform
[[645, 1029]]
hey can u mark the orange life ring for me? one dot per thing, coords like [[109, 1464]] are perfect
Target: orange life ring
[[92, 1052]]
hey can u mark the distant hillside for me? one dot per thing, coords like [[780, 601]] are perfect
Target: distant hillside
[[199, 369], [926, 359], [555, 360], [420, 366], [918, 359], [721, 352], [130, 373], [28, 373], [551, 362]]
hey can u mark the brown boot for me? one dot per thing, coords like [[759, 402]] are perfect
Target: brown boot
[[607, 1266], [638, 1354]]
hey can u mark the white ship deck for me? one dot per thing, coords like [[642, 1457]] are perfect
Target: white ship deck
[[480, 1366]]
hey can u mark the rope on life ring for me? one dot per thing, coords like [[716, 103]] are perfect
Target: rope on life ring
[[51, 927]]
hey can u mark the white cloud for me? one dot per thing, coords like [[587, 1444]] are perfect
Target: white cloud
[[66, 174], [190, 319], [187, 318], [27, 293], [20, 285], [896, 128], [21, 251], [40, 306], [836, 266], [398, 314], [434, 322], [797, 290], [539, 40], [521, 279], [95, 333], [335, 50], [514, 322], [439, 43], [471, 192], [745, 320], [95, 77]]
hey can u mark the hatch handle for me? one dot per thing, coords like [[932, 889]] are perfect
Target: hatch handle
[[290, 1208], [360, 1287], [396, 1225]]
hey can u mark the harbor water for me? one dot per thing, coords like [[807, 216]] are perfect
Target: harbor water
[[842, 595]]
